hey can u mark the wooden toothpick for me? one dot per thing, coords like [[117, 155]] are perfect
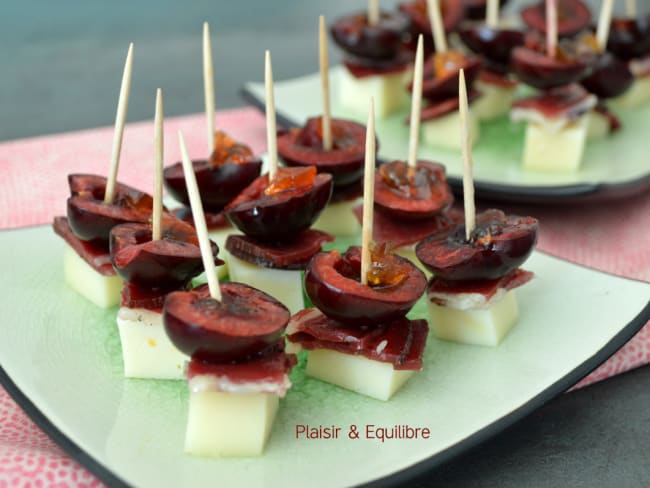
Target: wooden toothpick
[[208, 86], [604, 21], [325, 84], [416, 105], [271, 130], [492, 13], [437, 27], [630, 8], [368, 194], [373, 12], [199, 221], [157, 168], [466, 150], [120, 120], [551, 28]]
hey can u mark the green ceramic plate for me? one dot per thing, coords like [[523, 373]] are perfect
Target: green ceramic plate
[[61, 360], [613, 167]]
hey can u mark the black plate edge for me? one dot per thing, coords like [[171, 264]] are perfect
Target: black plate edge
[[105, 475], [562, 385], [63, 441], [547, 195]]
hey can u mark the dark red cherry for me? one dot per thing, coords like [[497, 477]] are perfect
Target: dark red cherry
[[244, 323], [629, 38], [499, 244], [332, 282], [475, 9], [440, 74], [383, 40], [172, 261], [451, 11], [279, 215], [304, 147], [494, 44], [417, 193], [231, 168], [543, 72], [610, 77], [91, 219], [572, 17]]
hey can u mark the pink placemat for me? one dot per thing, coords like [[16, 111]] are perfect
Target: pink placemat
[[611, 236]]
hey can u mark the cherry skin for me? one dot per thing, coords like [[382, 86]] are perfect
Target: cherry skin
[[610, 77], [279, 216], [629, 38], [332, 283], [543, 72], [246, 322], [91, 219], [170, 262], [494, 44], [499, 244], [383, 40]]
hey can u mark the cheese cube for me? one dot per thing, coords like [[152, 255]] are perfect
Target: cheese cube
[[147, 352], [375, 379], [555, 150], [337, 219], [388, 91], [444, 131], [104, 291], [229, 424], [598, 125], [478, 326], [637, 94], [495, 101], [283, 285]]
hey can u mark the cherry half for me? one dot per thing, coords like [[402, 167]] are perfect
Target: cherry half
[[499, 244], [451, 11], [494, 44], [91, 219], [572, 17], [629, 38], [230, 169], [383, 40], [246, 322], [412, 193], [170, 262], [279, 215], [333, 285], [544, 72], [441, 71], [610, 77], [304, 147]]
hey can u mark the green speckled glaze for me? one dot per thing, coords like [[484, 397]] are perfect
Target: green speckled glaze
[[63, 353]]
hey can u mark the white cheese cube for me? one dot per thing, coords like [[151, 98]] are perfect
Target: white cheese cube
[[375, 379], [444, 131], [494, 102], [555, 150], [283, 285], [479, 326], [598, 125], [337, 219], [637, 94], [229, 424], [104, 291], [147, 352], [388, 91]]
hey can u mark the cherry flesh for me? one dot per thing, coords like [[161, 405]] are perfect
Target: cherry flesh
[[499, 244], [573, 16]]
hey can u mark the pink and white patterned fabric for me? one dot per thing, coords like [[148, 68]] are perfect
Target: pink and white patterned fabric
[[608, 236]]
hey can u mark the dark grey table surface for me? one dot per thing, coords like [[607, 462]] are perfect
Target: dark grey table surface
[[62, 65]]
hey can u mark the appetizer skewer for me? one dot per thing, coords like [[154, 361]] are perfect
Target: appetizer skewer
[[475, 266], [154, 259], [96, 204], [238, 369], [275, 212], [357, 337]]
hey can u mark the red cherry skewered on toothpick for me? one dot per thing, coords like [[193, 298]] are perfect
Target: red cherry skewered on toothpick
[[418, 12], [573, 17], [475, 265], [362, 297], [231, 165]]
